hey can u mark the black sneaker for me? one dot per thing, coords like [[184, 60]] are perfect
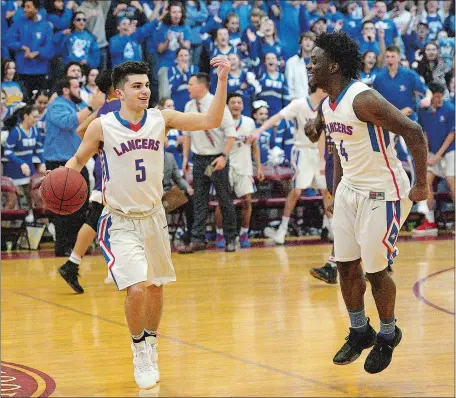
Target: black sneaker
[[327, 273], [356, 343], [69, 272], [380, 356]]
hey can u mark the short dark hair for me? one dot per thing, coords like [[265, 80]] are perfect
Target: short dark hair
[[121, 72], [234, 95], [104, 81], [393, 49], [204, 78], [36, 3], [63, 82], [436, 87], [70, 64], [343, 50]]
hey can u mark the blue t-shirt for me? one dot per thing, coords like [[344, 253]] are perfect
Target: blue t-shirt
[[437, 125], [400, 90], [168, 56], [373, 46], [368, 78], [390, 29]]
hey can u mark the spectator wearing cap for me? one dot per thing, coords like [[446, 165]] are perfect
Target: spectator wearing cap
[[197, 15], [415, 40], [97, 13], [126, 46], [296, 69], [327, 11], [210, 166], [368, 40], [379, 17], [77, 43], [31, 38], [178, 77]]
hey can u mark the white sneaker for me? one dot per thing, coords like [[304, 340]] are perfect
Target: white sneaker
[[278, 236], [29, 218], [153, 343], [145, 376]]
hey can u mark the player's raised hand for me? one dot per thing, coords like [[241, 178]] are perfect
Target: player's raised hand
[[419, 192], [223, 66]]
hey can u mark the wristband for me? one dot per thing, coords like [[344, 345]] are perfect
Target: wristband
[[90, 108]]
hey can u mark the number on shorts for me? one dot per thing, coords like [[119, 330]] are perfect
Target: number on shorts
[[142, 170], [343, 152]]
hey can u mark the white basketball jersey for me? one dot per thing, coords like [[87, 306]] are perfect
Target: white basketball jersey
[[132, 159], [301, 111], [369, 160], [241, 152]]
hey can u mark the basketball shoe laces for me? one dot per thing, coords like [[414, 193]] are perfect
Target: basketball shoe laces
[[141, 359]]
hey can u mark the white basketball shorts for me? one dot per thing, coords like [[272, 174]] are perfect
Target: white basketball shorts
[[136, 250], [444, 167], [367, 228], [306, 165], [241, 184]]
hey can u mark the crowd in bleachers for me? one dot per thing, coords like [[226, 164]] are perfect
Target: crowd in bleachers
[[268, 43]]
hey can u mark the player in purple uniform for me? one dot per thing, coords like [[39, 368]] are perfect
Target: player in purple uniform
[[69, 270]]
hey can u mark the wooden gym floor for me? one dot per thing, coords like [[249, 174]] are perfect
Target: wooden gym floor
[[250, 323]]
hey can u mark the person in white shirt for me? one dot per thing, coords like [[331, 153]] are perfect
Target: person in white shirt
[[306, 159], [296, 70], [241, 169], [210, 157]]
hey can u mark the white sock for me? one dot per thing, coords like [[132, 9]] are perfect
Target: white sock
[[75, 258], [219, 231], [332, 261], [325, 222], [430, 216], [243, 231], [284, 224]]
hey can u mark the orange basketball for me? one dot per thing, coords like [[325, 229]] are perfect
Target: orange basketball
[[64, 191]]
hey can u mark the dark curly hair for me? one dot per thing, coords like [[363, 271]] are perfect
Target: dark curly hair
[[342, 49], [125, 69]]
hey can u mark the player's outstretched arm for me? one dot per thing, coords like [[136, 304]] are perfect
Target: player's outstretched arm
[[88, 146], [268, 124], [212, 119], [370, 106]]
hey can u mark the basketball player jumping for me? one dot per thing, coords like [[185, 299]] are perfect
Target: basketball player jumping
[[372, 191], [132, 230]]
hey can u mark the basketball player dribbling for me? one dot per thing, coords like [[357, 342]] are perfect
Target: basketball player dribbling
[[132, 229], [372, 192]]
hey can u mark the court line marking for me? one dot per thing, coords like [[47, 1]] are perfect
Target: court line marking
[[197, 346], [419, 296]]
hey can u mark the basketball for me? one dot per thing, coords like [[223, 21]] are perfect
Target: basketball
[[63, 191]]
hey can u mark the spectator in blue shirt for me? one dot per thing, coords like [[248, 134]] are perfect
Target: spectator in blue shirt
[[415, 41], [78, 44], [399, 85], [61, 143], [12, 88], [368, 40], [197, 15], [433, 19], [391, 34], [256, 16], [289, 27], [371, 68], [231, 23], [126, 46], [438, 122], [268, 42], [240, 8], [178, 77], [31, 38], [60, 15], [351, 25]]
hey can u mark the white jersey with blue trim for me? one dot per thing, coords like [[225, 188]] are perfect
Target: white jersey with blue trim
[[132, 160], [369, 161]]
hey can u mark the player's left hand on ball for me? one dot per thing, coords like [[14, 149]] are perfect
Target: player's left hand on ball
[[419, 192], [223, 66]]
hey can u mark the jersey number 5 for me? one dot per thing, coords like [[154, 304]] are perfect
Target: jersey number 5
[[142, 170]]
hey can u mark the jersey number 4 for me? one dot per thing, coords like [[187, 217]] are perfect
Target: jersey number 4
[[142, 170]]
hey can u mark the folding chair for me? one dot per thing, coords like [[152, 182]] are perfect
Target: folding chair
[[13, 220]]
